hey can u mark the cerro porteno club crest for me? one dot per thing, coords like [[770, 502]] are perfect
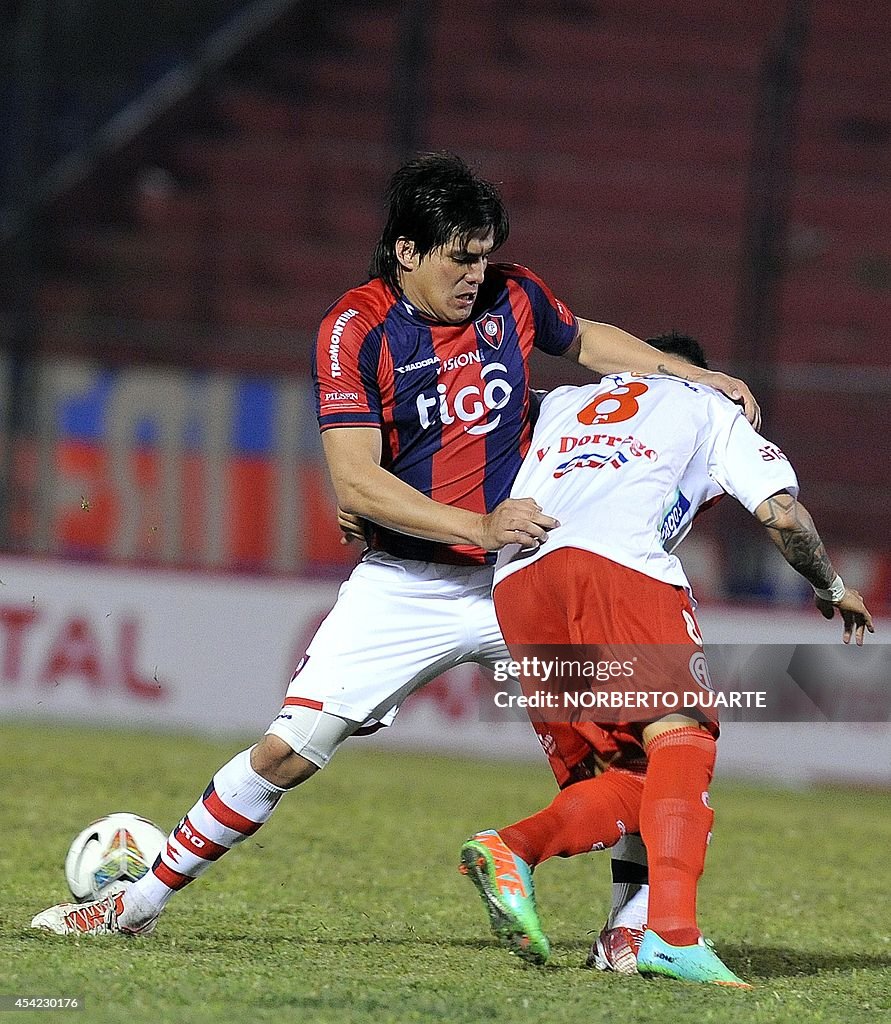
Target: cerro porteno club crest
[[490, 328]]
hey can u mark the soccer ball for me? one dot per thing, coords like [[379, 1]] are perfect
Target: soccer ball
[[118, 848]]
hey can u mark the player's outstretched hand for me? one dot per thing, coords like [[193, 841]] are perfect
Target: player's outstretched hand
[[350, 527], [736, 390], [854, 613], [515, 521]]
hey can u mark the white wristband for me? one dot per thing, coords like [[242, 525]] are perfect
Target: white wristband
[[835, 592]]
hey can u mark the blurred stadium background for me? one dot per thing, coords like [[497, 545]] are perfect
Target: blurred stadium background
[[186, 188]]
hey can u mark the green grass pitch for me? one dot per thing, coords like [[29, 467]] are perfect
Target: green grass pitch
[[348, 906]]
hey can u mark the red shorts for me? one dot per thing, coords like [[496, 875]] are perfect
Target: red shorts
[[576, 605]]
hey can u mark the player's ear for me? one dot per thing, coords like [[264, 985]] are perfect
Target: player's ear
[[406, 253]]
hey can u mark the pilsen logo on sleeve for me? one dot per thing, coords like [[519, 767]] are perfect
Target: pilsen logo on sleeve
[[490, 329]]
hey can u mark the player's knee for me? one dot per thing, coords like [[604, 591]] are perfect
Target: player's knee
[[276, 762]]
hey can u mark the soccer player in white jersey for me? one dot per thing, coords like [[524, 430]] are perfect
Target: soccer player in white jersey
[[624, 466]]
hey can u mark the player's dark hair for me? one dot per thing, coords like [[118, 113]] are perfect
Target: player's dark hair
[[680, 345], [430, 200]]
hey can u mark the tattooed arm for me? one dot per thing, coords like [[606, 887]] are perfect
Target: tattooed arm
[[792, 530]]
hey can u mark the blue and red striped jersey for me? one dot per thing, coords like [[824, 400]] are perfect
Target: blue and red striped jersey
[[451, 400]]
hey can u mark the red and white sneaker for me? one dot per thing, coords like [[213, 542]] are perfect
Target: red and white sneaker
[[98, 917], [616, 950]]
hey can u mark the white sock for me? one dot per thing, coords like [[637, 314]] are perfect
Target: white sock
[[633, 912], [631, 890], [235, 804]]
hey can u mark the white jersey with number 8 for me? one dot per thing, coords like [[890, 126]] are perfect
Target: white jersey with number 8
[[626, 464]]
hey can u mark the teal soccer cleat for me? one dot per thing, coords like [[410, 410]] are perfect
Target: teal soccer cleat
[[504, 882], [686, 963]]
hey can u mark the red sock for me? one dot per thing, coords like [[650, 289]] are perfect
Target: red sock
[[588, 815], [675, 823]]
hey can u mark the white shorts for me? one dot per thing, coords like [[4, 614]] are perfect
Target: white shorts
[[397, 625]]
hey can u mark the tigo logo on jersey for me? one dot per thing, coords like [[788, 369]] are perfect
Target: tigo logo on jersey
[[470, 403], [490, 329]]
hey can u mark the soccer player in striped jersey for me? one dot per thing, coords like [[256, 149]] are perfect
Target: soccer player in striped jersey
[[626, 465], [421, 381]]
